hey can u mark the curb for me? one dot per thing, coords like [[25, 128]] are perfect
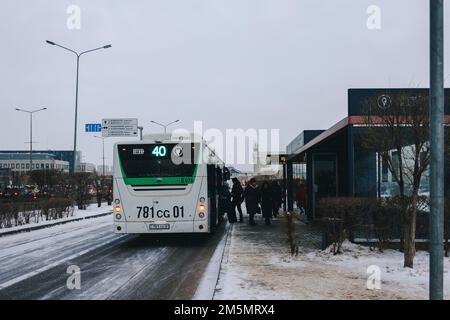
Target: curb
[[207, 286], [54, 224]]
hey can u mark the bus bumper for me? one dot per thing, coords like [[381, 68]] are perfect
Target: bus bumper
[[174, 227]]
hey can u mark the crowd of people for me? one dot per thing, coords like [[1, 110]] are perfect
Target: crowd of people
[[265, 199]]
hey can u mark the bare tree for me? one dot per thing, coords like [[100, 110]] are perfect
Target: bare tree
[[80, 182], [398, 130], [46, 179]]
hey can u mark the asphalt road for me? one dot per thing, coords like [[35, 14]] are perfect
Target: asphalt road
[[111, 266]]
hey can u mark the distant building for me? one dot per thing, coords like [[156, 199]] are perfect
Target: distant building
[[108, 170], [20, 162], [85, 167], [262, 165], [63, 155]]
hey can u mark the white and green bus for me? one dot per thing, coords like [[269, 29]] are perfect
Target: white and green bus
[[167, 184]]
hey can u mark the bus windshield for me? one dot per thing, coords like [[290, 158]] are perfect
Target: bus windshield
[[158, 160]]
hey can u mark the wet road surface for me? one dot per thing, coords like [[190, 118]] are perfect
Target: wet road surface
[[111, 266]]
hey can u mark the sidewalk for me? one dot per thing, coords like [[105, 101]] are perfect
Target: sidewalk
[[257, 264]]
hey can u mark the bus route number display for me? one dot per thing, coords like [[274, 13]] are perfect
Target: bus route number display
[[159, 151]]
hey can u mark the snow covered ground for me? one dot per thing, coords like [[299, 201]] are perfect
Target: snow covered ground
[[25, 254], [33, 265], [264, 270], [92, 210]]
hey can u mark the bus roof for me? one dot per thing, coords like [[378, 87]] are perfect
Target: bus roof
[[166, 137]]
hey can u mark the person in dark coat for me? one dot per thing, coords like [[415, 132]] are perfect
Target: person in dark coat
[[302, 197], [229, 209], [236, 193], [251, 196], [277, 197], [225, 203], [266, 202]]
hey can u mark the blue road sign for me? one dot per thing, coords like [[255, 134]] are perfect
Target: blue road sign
[[93, 127]]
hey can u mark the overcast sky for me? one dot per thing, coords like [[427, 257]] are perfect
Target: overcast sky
[[283, 64]]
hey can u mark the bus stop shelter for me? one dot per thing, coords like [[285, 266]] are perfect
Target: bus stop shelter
[[334, 163]]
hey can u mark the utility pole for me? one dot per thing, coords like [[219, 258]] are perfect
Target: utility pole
[[436, 149]]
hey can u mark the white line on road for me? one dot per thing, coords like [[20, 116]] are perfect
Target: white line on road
[[54, 264]]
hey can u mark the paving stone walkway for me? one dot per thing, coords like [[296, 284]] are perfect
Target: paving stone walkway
[[308, 237]]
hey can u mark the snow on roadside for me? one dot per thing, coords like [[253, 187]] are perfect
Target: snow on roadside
[[358, 258], [266, 272], [91, 210], [57, 232], [25, 254]]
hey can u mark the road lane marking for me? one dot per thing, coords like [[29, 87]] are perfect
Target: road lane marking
[[56, 263]]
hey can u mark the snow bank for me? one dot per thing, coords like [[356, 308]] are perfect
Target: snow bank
[[358, 258], [91, 210], [259, 271]]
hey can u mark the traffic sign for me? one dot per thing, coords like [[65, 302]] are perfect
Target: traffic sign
[[93, 127], [120, 127], [384, 102]]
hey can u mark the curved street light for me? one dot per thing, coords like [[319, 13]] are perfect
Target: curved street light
[[76, 91], [164, 125], [30, 112]]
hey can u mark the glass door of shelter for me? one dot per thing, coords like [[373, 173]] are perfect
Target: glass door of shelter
[[324, 178]]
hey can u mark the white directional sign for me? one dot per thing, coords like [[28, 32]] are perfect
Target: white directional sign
[[120, 127]]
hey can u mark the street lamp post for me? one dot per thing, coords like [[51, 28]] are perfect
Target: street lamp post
[[103, 154], [30, 112], [76, 92], [436, 149], [164, 125]]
